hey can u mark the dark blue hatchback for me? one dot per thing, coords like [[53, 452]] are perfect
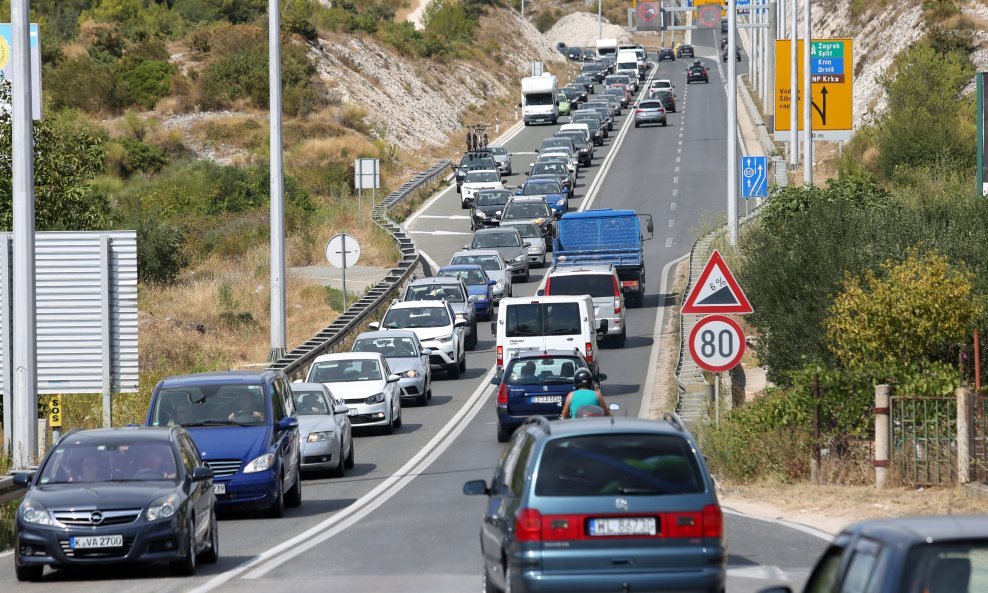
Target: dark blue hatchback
[[535, 384]]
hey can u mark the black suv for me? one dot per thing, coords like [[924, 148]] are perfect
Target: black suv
[[684, 51], [666, 53], [474, 160], [697, 73], [488, 204], [602, 504]]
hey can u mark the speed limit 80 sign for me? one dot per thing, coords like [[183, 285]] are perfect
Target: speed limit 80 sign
[[717, 343]]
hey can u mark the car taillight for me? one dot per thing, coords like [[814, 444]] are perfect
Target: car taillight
[[528, 526], [500, 356], [682, 525], [638, 111], [713, 521], [502, 395], [617, 295], [589, 349], [548, 283]]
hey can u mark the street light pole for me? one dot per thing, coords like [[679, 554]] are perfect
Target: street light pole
[[732, 123], [278, 334], [807, 98], [600, 19], [793, 88]]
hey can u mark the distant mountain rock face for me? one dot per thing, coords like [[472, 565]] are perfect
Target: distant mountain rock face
[[580, 29]]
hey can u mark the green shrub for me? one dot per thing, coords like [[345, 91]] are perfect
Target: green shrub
[[160, 255], [334, 298], [296, 17], [403, 37], [141, 157], [546, 19], [80, 83], [145, 83]]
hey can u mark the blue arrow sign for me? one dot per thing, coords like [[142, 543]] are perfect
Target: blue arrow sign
[[754, 176]]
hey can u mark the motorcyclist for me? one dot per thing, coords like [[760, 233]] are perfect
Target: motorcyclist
[[584, 394]]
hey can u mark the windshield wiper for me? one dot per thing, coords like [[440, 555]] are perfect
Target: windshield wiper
[[214, 423]]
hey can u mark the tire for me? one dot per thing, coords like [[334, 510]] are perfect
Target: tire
[[340, 470], [277, 508], [30, 573], [212, 554], [453, 370], [397, 420], [636, 124], [620, 340], [186, 567], [503, 434], [348, 462], [294, 497], [422, 399], [389, 428], [472, 340], [463, 364], [635, 300]]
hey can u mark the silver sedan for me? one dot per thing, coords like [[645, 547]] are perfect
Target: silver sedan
[[324, 428], [406, 357]]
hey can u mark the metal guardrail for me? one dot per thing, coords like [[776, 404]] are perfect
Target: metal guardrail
[[296, 360], [9, 491]]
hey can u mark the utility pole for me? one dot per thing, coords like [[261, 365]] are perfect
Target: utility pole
[[600, 19], [278, 334], [732, 123], [793, 88], [807, 99], [24, 418]]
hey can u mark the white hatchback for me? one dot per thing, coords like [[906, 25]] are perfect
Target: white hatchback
[[365, 383]]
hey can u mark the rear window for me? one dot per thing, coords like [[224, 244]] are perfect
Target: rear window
[[547, 370], [488, 262], [495, 198], [435, 292], [542, 319], [494, 240], [596, 285], [618, 463], [650, 105]]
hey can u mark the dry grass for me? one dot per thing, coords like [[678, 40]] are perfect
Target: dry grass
[[246, 132]]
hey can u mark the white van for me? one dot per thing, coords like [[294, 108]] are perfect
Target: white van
[[584, 128], [536, 324], [627, 63], [602, 284]]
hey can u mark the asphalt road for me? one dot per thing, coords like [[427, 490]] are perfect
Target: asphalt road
[[398, 520]]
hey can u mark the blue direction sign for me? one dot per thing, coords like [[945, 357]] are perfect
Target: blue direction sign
[[754, 176], [742, 6]]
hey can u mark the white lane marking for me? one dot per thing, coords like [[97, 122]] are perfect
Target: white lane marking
[[450, 217], [678, 159], [439, 233], [527, 152], [798, 527], [675, 192], [428, 204], [432, 263], [672, 223], [677, 170], [672, 206], [653, 357], [675, 180], [409, 472], [668, 242], [318, 533], [760, 572]]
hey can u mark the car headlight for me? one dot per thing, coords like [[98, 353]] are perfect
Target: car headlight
[[410, 374], [376, 398], [35, 513], [518, 260], [318, 437], [473, 298], [444, 339], [561, 202], [499, 285], [480, 214], [260, 464], [162, 508], [498, 213]]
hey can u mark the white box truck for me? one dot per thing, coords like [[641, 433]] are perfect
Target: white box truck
[[607, 46], [539, 101], [627, 63]]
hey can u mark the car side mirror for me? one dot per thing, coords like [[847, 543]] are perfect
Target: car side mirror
[[23, 479], [601, 377], [393, 378], [491, 282], [466, 247], [374, 325], [341, 409], [649, 226], [288, 423], [427, 352], [201, 474], [476, 488], [459, 323]]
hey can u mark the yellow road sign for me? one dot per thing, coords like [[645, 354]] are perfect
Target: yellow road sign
[[832, 84], [55, 412]]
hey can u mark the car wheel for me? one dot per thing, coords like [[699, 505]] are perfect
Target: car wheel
[[212, 553], [294, 497], [485, 583], [620, 340], [340, 470], [389, 428], [472, 339], [503, 434], [636, 124], [348, 462], [187, 566], [277, 508], [453, 370], [397, 422], [30, 573], [429, 392], [463, 364]]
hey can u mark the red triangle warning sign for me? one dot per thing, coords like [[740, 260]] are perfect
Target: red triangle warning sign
[[716, 291]]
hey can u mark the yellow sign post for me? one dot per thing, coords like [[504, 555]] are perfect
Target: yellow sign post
[[832, 83], [55, 411]]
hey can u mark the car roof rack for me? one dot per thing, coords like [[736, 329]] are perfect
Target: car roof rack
[[542, 421], [674, 419]]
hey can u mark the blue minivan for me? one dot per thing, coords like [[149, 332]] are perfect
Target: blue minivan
[[246, 429]]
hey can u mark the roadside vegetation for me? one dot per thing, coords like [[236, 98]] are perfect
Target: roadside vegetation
[[879, 277]]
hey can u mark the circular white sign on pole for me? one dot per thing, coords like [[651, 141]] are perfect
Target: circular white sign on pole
[[343, 251], [717, 343]]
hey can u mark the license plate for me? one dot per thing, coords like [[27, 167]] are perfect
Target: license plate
[[546, 399], [96, 541], [219, 488], [352, 412], [629, 284], [622, 526]]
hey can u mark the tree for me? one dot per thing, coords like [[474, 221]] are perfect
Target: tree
[[67, 155]]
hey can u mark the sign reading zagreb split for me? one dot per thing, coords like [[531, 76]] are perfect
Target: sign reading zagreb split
[[832, 84]]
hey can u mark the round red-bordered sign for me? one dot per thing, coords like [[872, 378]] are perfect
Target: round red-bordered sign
[[717, 343], [708, 15], [647, 11]]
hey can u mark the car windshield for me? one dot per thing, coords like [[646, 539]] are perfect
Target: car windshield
[[945, 566], [469, 277], [210, 405], [435, 292], [544, 370], [400, 347], [87, 461], [481, 177], [488, 262], [310, 403], [596, 285], [551, 143], [542, 319], [662, 93], [618, 464], [528, 230], [538, 188], [526, 211], [548, 168], [412, 317], [343, 370], [661, 84], [498, 150], [493, 240], [577, 137], [494, 198]]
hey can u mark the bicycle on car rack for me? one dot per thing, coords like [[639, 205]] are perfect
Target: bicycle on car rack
[[477, 138]]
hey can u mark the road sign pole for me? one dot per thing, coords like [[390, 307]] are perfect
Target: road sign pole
[[767, 102], [732, 123], [807, 97], [345, 262], [793, 88], [278, 333], [600, 20], [717, 400]]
